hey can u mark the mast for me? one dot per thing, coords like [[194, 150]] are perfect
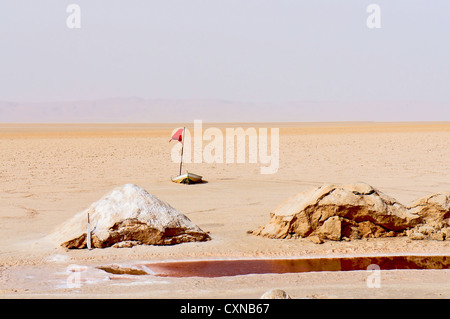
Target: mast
[[88, 233], [182, 148]]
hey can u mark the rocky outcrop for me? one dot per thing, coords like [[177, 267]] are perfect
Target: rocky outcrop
[[336, 211], [434, 211], [127, 216]]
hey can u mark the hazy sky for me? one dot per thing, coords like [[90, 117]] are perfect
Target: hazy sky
[[239, 50]]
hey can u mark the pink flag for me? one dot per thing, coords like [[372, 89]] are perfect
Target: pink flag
[[178, 136]]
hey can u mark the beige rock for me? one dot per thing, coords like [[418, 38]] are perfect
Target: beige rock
[[434, 211], [128, 214], [331, 229], [370, 213], [370, 230], [416, 236], [126, 244], [433, 208], [446, 232], [437, 236], [275, 294], [315, 239]]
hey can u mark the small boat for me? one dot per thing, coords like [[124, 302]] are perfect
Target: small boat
[[188, 178]]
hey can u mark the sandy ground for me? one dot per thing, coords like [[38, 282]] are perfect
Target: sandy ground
[[50, 172]]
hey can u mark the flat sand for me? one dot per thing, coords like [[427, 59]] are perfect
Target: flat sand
[[49, 172]]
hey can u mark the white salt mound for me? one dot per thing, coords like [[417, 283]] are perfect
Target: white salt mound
[[128, 214]]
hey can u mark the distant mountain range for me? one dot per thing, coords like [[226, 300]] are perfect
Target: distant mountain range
[[124, 110], [138, 110]]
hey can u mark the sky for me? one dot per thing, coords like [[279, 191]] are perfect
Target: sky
[[249, 51]]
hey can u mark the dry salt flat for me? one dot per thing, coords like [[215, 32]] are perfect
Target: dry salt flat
[[49, 173]]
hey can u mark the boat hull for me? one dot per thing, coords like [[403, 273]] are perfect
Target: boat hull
[[188, 178]]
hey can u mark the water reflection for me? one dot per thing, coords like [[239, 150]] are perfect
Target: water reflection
[[220, 268]]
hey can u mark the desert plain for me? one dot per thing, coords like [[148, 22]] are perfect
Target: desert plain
[[50, 172]]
